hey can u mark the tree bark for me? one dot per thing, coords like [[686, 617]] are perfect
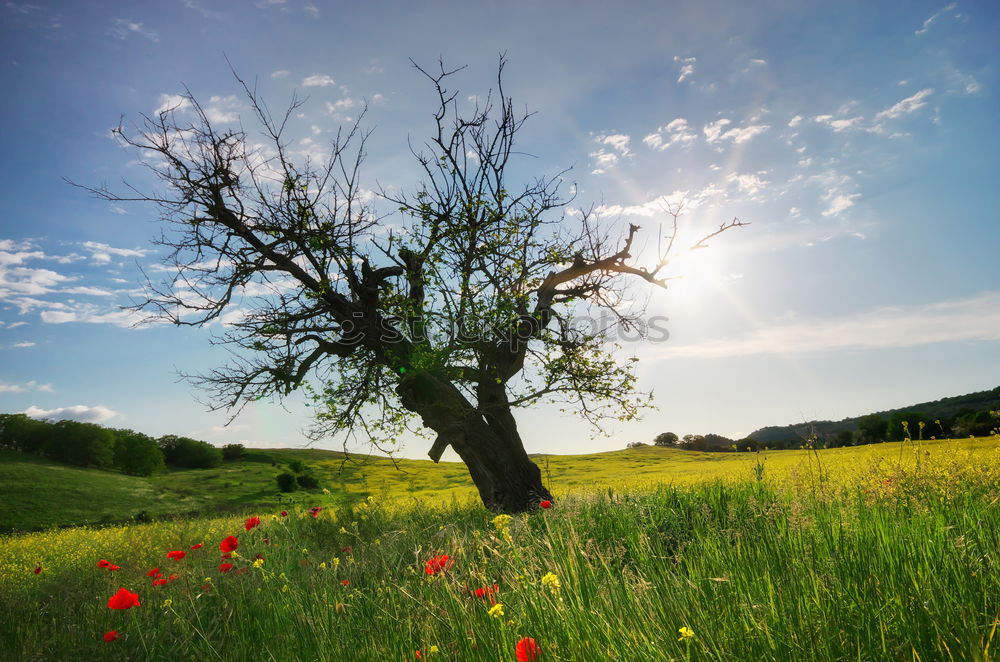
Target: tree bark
[[507, 480]]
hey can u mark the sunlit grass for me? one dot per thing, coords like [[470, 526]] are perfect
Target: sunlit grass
[[861, 555]]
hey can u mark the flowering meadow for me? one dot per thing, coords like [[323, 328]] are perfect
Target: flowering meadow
[[875, 560]]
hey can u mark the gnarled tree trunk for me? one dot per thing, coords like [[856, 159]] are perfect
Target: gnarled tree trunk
[[507, 479]]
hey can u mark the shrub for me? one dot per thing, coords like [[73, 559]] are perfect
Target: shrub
[[307, 482], [189, 453], [286, 482], [233, 452], [297, 466]]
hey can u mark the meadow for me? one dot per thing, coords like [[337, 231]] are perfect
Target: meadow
[[885, 552]]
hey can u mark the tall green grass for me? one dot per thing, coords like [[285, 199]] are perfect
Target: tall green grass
[[757, 571]]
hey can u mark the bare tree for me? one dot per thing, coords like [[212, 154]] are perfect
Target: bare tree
[[457, 319]]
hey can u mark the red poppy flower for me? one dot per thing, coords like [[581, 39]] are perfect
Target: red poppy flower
[[284, 513], [123, 599], [38, 570], [155, 572], [314, 511], [437, 564], [251, 523], [486, 592], [227, 555], [159, 582], [417, 654], [225, 567], [229, 544], [198, 546], [545, 504], [172, 577], [113, 567], [259, 556], [527, 650], [177, 556], [345, 582], [103, 564], [110, 635]]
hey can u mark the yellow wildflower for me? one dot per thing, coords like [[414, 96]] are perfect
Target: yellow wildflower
[[167, 603], [258, 563], [686, 633], [432, 649], [551, 581], [502, 521], [496, 611]]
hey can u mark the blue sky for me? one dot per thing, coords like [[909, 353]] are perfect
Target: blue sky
[[858, 139]]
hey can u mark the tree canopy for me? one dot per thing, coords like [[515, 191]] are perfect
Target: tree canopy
[[454, 319]]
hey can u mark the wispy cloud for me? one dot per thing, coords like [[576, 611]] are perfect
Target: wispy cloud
[[89, 313], [81, 413], [24, 388], [934, 17], [687, 67], [317, 80], [280, 73], [964, 320], [123, 28], [101, 253], [906, 106]]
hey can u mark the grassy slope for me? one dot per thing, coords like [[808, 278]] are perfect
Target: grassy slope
[[36, 493]]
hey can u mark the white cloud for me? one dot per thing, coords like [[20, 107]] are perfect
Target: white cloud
[[16, 324], [748, 183], [280, 73], [906, 106], [175, 102], [123, 28], [795, 121], [312, 10], [933, 17], [617, 141], [90, 291], [91, 314], [101, 253], [604, 158], [80, 413], [963, 320], [339, 106], [840, 124], [713, 130], [687, 67], [317, 80], [30, 386], [655, 207], [840, 202], [716, 131], [677, 131], [23, 344], [222, 110]]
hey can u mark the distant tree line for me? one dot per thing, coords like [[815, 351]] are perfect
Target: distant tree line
[[128, 451], [870, 429]]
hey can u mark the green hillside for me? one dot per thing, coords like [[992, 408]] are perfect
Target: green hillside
[[37, 493], [945, 408]]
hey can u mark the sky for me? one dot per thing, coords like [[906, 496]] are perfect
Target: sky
[[857, 139]]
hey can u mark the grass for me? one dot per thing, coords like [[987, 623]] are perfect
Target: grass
[[37, 494], [853, 555]]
